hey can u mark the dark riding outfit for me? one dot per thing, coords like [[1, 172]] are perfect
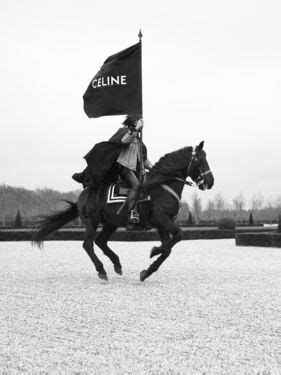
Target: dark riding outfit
[[120, 155]]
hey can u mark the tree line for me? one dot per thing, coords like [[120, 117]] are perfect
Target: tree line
[[261, 209], [29, 205], [26, 206]]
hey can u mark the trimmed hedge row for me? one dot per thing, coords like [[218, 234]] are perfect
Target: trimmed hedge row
[[269, 239], [123, 235]]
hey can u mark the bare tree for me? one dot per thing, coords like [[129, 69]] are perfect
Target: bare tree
[[239, 204], [210, 208], [260, 201], [257, 205], [3, 203], [278, 203], [235, 207], [183, 212], [196, 207], [269, 205], [219, 204]]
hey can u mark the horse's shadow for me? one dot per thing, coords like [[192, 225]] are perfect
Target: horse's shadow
[[87, 280]]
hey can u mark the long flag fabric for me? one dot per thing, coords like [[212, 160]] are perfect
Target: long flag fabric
[[117, 88]]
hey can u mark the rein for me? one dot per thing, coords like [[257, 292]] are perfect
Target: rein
[[189, 183], [171, 191]]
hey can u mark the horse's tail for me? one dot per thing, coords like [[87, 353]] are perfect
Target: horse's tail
[[53, 222]]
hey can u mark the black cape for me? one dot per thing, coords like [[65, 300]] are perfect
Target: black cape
[[102, 166], [101, 159]]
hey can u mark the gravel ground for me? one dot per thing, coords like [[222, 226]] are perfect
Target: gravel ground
[[212, 308]]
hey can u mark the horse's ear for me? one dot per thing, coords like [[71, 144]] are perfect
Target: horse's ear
[[201, 145]]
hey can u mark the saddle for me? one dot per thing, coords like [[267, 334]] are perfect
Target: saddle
[[118, 192]]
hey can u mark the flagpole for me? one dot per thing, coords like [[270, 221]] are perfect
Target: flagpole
[[141, 134]]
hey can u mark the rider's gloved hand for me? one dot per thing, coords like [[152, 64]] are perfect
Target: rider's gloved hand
[[139, 124]]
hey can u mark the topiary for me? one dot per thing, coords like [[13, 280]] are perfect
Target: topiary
[[190, 220], [226, 223], [18, 221], [251, 219]]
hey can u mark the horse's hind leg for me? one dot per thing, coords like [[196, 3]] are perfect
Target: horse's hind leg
[[101, 241], [88, 245]]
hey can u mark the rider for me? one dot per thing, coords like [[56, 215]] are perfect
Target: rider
[[129, 161], [119, 154]]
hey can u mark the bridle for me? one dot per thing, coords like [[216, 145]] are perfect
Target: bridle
[[192, 159], [199, 181]]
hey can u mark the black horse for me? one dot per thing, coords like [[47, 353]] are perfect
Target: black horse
[[165, 182]]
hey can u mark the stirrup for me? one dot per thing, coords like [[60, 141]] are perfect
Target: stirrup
[[134, 217]]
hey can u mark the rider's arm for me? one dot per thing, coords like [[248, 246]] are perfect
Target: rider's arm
[[129, 137], [132, 133]]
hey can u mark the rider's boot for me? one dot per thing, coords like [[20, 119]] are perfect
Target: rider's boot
[[83, 178], [133, 212]]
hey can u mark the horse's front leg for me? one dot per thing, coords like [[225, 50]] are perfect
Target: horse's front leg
[[88, 245], [167, 227], [169, 237], [155, 265], [176, 236], [164, 237]]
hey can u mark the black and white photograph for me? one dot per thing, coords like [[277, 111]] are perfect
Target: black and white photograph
[[140, 187]]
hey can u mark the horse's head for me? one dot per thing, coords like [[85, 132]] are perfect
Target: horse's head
[[199, 170]]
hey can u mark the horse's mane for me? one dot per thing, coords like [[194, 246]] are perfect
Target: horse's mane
[[171, 163], [166, 169]]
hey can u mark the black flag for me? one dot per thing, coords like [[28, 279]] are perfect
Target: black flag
[[117, 88]]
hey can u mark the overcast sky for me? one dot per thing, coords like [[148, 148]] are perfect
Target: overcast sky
[[211, 71]]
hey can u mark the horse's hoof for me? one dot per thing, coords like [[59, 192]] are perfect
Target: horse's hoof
[[118, 269], [103, 276], [143, 275], [154, 252]]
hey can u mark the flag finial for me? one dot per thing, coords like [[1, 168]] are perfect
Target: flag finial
[[140, 35]]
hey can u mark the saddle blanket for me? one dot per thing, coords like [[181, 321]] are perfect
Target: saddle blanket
[[117, 193]]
